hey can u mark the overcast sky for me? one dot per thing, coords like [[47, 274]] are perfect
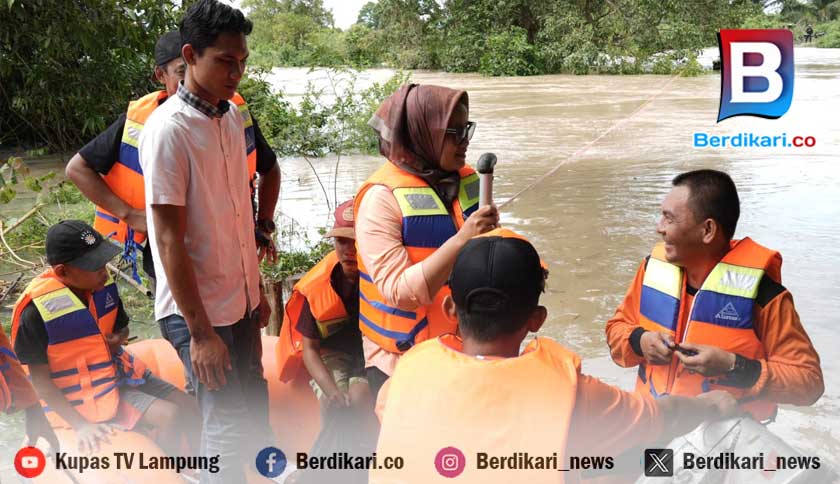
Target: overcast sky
[[345, 12]]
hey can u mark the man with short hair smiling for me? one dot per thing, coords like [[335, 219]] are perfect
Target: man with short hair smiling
[[706, 311], [193, 155]]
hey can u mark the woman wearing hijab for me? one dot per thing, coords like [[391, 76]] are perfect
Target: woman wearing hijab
[[413, 215]]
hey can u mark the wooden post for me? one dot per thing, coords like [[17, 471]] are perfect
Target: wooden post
[[278, 294]]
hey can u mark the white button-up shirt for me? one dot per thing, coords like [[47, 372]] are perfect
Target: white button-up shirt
[[198, 162]]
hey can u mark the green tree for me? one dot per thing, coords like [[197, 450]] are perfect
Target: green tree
[[370, 15], [68, 68], [292, 32]]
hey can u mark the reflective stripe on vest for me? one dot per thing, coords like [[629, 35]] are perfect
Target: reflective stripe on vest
[[426, 225], [125, 178], [721, 315], [80, 362], [498, 406], [326, 307]]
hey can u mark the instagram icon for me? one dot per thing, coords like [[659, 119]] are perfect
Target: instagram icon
[[450, 462]]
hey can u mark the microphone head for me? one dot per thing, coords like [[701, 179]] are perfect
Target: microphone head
[[485, 164]]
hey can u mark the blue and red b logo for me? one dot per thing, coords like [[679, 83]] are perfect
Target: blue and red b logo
[[756, 73]]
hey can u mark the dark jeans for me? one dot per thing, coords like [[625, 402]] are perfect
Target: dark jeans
[[235, 417]]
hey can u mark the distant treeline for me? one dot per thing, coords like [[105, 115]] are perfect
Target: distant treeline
[[520, 37], [69, 67]]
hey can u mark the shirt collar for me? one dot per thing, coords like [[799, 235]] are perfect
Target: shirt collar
[[205, 107]]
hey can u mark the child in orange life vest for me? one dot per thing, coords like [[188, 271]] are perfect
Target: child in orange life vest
[[322, 324], [484, 396], [321, 328], [69, 326]]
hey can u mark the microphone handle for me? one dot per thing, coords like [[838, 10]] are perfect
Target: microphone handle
[[485, 189]]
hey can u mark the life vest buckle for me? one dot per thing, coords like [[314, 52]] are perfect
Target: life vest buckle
[[404, 345]]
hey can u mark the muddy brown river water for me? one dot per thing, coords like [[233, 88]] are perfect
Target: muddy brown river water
[[593, 219]]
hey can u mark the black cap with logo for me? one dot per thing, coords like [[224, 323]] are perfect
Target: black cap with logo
[[76, 243]]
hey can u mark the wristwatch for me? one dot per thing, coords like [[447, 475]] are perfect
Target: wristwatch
[[266, 225]]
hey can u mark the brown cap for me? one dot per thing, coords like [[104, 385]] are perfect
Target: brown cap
[[344, 222]]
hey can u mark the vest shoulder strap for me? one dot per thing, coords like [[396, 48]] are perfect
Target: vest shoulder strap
[[140, 109], [316, 287]]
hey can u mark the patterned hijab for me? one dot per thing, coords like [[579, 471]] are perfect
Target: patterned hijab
[[411, 125]]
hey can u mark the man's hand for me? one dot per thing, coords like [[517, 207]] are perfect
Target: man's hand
[[266, 249], [264, 309], [136, 219], [116, 340], [90, 434], [339, 399], [37, 426], [210, 359], [709, 360], [722, 403], [656, 347]]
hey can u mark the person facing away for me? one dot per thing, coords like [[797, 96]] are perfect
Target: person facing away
[[108, 172], [478, 393], [209, 299], [707, 311], [69, 327], [412, 216]]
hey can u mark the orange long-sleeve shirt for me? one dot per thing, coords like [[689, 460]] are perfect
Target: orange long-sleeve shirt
[[21, 393], [790, 373]]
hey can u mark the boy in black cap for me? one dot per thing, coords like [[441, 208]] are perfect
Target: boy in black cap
[[453, 397], [69, 326]]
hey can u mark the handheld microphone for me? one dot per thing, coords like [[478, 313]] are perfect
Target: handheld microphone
[[485, 165]]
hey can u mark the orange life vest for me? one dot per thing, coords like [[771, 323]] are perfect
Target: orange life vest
[[7, 356], [426, 225], [440, 397], [326, 307], [81, 364], [125, 178], [722, 315]]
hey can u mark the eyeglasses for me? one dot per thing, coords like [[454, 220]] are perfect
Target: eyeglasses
[[461, 134]]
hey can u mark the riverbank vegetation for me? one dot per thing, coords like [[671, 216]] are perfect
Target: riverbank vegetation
[[521, 37]]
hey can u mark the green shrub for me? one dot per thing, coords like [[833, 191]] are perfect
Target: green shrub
[[831, 39], [508, 54], [68, 68]]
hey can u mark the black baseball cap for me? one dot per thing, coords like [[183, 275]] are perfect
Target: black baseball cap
[[168, 47], [76, 243], [503, 265]]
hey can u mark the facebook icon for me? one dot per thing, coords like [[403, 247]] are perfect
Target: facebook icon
[[271, 462]]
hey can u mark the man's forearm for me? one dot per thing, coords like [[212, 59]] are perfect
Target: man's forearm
[[268, 192], [683, 414], [54, 398], [180, 275], [318, 370], [170, 226], [94, 187]]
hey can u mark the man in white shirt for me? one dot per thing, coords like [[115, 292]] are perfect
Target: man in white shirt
[[192, 151]]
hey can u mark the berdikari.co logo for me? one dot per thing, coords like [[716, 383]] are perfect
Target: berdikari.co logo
[[756, 73]]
